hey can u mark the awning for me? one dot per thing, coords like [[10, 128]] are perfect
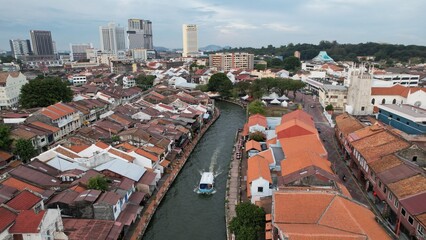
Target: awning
[[137, 198]]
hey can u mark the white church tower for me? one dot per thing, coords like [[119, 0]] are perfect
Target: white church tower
[[359, 91]]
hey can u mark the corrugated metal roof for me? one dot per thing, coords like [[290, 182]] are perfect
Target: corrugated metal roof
[[123, 168]]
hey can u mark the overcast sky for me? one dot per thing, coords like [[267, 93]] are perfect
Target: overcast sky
[[245, 23]]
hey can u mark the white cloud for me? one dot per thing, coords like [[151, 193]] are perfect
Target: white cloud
[[281, 27]]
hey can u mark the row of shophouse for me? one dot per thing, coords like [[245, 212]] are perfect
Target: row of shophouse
[[391, 171]]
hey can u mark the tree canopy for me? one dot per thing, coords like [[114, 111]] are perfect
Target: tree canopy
[[145, 81], [98, 182], [44, 92], [249, 222], [291, 63], [25, 150], [256, 107], [219, 82], [5, 140], [257, 136]]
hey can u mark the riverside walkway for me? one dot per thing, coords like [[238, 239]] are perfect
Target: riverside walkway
[[154, 202]]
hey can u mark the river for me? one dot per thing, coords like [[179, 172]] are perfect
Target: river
[[183, 214]]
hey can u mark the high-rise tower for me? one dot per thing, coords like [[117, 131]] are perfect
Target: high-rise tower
[[140, 34], [20, 47], [190, 40], [42, 42], [112, 38]]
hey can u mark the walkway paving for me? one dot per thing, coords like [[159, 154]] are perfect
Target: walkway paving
[[154, 202], [233, 188]]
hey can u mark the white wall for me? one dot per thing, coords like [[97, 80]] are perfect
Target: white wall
[[257, 128], [260, 182]]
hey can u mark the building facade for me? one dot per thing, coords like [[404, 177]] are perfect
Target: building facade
[[407, 118], [359, 93], [333, 94], [112, 38], [79, 51], [390, 79], [20, 47], [140, 34], [42, 42], [190, 40], [10, 88], [227, 61]]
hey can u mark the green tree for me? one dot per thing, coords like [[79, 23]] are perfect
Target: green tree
[[257, 136], [5, 140], [242, 87], [145, 81], [44, 92], [291, 63], [219, 82], [260, 67], [296, 85], [249, 222], [256, 107], [25, 150], [202, 87], [329, 107], [275, 63], [98, 182]]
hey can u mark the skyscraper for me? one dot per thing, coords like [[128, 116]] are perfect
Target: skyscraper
[[112, 38], [42, 42], [20, 47], [140, 34], [190, 40], [78, 51]]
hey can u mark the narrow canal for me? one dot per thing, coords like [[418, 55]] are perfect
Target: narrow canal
[[183, 214]]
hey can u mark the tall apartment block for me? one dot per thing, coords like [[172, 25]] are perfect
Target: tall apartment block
[[190, 40], [227, 61], [112, 39], [42, 43], [20, 47], [140, 34], [78, 51]]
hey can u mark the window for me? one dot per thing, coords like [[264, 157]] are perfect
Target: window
[[396, 203], [383, 101], [260, 189], [373, 101], [410, 220], [385, 190], [380, 184], [398, 118], [420, 230], [394, 101], [362, 108], [390, 197], [414, 158], [403, 212]]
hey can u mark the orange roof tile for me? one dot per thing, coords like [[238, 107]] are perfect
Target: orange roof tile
[[324, 215], [347, 124], [258, 167], [127, 146], [271, 141], [78, 188], [20, 185], [121, 154], [78, 148], [397, 90], [385, 163], [409, 186], [25, 200], [250, 145], [257, 119], [165, 163], [300, 115], [146, 154], [294, 128], [66, 152], [267, 154], [268, 217], [298, 162], [46, 126], [102, 145], [292, 146], [5, 155], [57, 111], [268, 234]]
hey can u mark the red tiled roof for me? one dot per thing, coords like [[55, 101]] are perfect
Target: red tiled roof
[[257, 119], [27, 222], [258, 167], [78, 148], [45, 126], [20, 185], [395, 90], [25, 200], [79, 229], [57, 111], [66, 152], [298, 162], [102, 145], [5, 156], [121, 154], [300, 115], [146, 154], [253, 145], [7, 217]]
